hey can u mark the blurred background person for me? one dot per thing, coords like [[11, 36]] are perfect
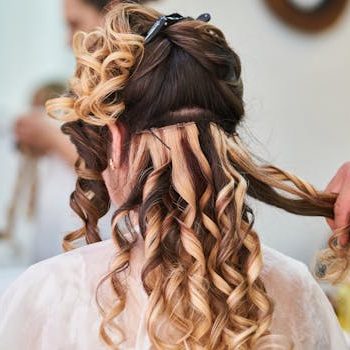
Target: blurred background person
[[48, 156], [47, 160], [83, 15], [26, 179], [44, 145], [79, 15]]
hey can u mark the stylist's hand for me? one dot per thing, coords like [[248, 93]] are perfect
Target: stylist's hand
[[35, 134], [341, 184]]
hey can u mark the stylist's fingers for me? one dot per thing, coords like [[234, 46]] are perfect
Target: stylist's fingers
[[336, 183], [335, 186], [342, 211], [340, 184]]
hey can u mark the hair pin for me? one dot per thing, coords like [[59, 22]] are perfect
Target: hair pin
[[205, 17], [166, 21]]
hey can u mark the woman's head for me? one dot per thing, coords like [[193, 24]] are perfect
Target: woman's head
[[155, 127], [188, 73]]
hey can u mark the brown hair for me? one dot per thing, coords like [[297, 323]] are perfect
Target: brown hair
[[180, 101]]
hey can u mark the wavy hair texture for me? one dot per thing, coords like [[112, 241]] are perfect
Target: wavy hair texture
[[180, 101]]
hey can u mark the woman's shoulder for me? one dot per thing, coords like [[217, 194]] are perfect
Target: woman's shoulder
[[71, 277], [85, 261], [52, 297], [301, 309], [89, 263], [86, 265], [61, 290], [287, 278], [281, 266]]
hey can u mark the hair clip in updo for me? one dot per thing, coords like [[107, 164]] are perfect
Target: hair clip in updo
[[166, 21]]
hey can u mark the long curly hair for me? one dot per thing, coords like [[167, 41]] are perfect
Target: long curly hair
[[179, 99]]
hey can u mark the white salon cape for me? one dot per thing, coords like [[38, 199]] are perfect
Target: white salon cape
[[52, 305]]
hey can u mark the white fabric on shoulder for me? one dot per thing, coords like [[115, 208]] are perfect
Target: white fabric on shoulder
[[52, 305], [302, 310]]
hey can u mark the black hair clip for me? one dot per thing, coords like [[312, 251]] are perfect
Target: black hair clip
[[166, 21], [205, 17]]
